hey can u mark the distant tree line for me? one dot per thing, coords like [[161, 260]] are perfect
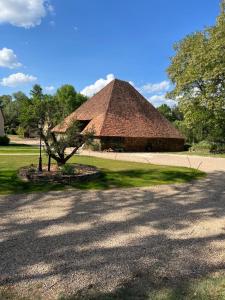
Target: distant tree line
[[22, 113], [37, 114]]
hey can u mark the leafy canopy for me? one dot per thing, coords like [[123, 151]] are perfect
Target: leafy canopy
[[197, 71]]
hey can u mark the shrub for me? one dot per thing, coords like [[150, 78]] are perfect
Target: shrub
[[217, 148], [201, 146], [20, 131], [9, 130], [4, 140], [32, 168], [213, 147], [95, 146], [67, 169]]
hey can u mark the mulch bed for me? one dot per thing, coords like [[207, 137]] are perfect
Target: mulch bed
[[82, 173]]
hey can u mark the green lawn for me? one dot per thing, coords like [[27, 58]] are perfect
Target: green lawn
[[115, 174], [206, 288], [19, 149]]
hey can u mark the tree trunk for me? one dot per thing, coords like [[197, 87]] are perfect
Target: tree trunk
[[61, 162], [49, 163]]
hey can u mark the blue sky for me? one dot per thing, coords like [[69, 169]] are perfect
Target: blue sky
[[81, 41]]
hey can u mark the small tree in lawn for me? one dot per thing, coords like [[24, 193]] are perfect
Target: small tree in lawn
[[48, 111], [57, 144]]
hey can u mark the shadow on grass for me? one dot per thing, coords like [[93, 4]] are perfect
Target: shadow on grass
[[206, 288], [11, 184]]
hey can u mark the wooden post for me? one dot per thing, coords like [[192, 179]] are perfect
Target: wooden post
[[49, 163]]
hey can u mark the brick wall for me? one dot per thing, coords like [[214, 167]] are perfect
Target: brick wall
[[142, 144]]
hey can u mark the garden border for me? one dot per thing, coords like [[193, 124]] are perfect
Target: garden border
[[32, 175]]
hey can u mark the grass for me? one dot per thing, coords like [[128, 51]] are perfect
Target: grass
[[199, 153], [114, 174], [27, 149], [19, 149], [207, 288]]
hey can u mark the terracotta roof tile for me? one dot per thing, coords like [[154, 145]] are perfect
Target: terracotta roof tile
[[120, 110]]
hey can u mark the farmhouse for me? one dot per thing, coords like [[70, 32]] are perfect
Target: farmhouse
[[122, 118], [2, 132]]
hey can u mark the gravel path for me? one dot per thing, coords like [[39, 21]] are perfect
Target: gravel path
[[61, 242], [18, 140], [206, 164]]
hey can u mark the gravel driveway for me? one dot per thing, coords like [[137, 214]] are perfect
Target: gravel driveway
[[61, 242]]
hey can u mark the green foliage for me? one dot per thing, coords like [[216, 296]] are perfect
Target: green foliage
[[197, 71], [217, 148], [166, 111], [12, 109], [24, 112], [95, 146], [68, 100], [80, 99], [210, 287], [67, 169], [11, 112], [20, 131], [115, 174], [210, 147], [4, 140], [56, 144], [37, 92], [201, 146], [170, 113], [49, 111]]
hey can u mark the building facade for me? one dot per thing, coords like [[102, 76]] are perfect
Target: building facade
[[121, 118]]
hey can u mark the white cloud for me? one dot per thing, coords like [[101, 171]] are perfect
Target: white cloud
[[8, 59], [155, 87], [158, 100], [50, 8], [158, 90], [24, 13], [97, 86], [17, 79], [156, 93], [49, 88]]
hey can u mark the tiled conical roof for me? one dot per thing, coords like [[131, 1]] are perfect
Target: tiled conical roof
[[120, 110]]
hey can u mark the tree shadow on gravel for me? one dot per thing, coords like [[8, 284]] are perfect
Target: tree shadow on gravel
[[114, 244]]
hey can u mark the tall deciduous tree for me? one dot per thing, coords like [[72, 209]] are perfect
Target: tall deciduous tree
[[68, 99], [37, 92], [12, 106], [197, 71], [171, 113], [166, 111]]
